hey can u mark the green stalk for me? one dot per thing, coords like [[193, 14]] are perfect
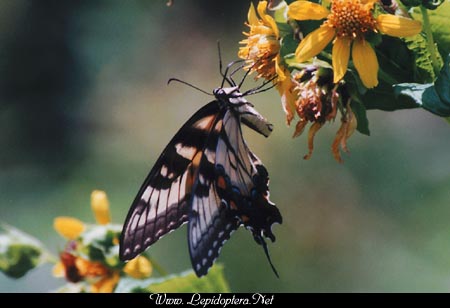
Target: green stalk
[[430, 40]]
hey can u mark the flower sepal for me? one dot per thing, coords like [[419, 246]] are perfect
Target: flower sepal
[[279, 14], [100, 243]]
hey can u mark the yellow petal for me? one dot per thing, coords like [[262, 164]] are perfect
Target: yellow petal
[[68, 227], [106, 285], [366, 63], [251, 15], [281, 71], [314, 43], [100, 207], [341, 55], [305, 10], [138, 268], [368, 4], [58, 270], [262, 6], [285, 89], [82, 265], [398, 26], [268, 20]]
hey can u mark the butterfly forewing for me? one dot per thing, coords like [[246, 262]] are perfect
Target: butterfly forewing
[[163, 202]]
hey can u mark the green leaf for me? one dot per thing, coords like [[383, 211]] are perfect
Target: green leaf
[[186, 282], [19, 252], [396, 61], [432, 97], [448, 120], [288, 46], [382, 97], [423, 69], [361, 117], [439, 26]]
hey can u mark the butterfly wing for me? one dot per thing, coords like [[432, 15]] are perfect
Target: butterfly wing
[[211, 222], [163, 202], [231, 190], [247, 181]]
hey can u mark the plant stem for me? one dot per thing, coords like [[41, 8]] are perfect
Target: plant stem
[[430, 41]]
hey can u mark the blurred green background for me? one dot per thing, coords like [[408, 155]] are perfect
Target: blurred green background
[[84, 105]]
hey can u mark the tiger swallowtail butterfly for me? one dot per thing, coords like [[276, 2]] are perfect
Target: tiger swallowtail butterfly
[[209, 178]]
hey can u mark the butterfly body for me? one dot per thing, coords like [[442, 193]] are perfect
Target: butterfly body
[[206, 177]]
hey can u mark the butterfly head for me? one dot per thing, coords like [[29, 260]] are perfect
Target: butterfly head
[[230, 96]]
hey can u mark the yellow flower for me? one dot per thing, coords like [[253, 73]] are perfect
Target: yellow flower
[[71, 228], [68, 227], [106, 284], [138, 268], [100, 207], [348, 22], [262, 46], [99, 272]]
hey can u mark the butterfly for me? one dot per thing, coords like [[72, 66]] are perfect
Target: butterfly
[[208, 178]]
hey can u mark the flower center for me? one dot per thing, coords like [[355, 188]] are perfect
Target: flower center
[[351, 18]]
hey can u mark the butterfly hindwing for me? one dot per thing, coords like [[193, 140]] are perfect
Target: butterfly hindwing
[[237, 188], [163, 201], [210, 222]]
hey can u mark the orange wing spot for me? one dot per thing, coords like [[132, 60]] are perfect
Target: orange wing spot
[[221, 183], [192, 171], [189, 179], [245, 218], [205, 123], [218, 126], [196, 160]]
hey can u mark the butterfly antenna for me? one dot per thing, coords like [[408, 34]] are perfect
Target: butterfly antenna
[[237, 70], [243, 78], [266, 251], [188, 84], [258, 88], [225, 74], [248, 71]]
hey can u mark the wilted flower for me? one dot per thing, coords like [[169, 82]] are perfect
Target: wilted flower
[[317, 100]]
